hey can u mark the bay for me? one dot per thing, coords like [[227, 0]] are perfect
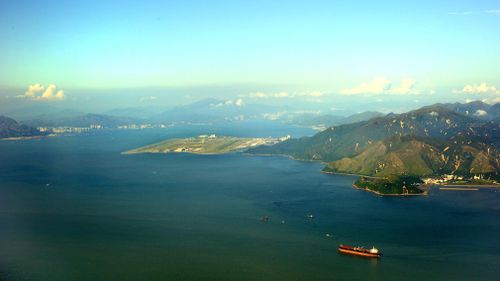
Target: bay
[[74, 208]]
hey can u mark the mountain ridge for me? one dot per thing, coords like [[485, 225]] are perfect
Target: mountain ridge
[[10, 128], [350, 147]]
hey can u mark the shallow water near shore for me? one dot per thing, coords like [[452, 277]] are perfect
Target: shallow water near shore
[[74, 208]]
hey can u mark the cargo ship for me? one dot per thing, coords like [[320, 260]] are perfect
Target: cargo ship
[[360, 251]]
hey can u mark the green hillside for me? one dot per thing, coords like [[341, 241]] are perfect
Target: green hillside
[[392, 185], [10, 128], [431, 140], [419, 156]]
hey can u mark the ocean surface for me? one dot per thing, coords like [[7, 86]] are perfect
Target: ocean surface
[[74, 208]]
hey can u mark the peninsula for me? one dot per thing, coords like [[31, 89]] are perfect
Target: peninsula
[[402, 185], [205, 144]]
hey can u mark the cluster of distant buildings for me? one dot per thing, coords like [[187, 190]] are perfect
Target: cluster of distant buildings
[[92, 127], [450, 178], [142, 126], [63, 130], [212, 136]]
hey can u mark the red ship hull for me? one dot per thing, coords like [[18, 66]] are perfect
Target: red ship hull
[[358, 251]]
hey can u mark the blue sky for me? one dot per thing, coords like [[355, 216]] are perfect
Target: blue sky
[[306, 49]]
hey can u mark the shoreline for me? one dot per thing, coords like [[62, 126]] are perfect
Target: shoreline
[[286, 156], [179, 152], [425, 193], [459, 188], [196, 145], [350, 174], [471, 185], [24, 138]]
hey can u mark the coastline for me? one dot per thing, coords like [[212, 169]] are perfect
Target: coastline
[[179, 152], [286, 156], [350, 174], [23, 138], [471, 185], [425, 193]]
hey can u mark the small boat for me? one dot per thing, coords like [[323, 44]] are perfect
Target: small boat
[[360, 251]]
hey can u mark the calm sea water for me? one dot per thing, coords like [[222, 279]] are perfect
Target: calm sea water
[[74, 208]]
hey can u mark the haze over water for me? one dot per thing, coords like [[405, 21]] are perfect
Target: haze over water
[[74, 208]]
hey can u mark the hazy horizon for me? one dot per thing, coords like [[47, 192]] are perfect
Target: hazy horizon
[[249, 140], [351, 57]]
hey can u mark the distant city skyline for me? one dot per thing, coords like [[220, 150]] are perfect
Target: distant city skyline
[[128, 53]]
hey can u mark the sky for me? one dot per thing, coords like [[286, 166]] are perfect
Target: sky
[[131, 53]]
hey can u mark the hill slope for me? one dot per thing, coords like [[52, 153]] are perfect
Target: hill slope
[[431, 140], [9, 128], [420, 156], [347, 140], [84, 120]]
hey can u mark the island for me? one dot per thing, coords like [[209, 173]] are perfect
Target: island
[[395, 185], [205, 144]]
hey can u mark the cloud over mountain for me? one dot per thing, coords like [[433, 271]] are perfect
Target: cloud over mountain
[[282, 95], [39, 92], [488, 93], [262, 95], [481, 88], [381, 85]]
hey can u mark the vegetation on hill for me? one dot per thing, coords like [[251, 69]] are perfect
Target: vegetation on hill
[[393, 185], [327, 120], [9, 128], [84, 120], [347, 140], [420, 156], [431, 140]]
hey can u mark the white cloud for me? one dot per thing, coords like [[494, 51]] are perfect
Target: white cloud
[[146, 99], [465, 13], [492, 100], [239, 102], [262, 95], [34, 90], [307, 96], [480, 112], [382, 85], [374, 87], [494, 12], [39, 92], [481, 88], [406, 87], [487, 93], [315, 94]]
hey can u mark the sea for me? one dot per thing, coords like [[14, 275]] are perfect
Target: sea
[[75, 208]]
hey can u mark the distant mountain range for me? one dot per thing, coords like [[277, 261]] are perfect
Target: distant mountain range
[[326, 120], [213, 111], [442, 138], [83, 120], [420, 156], [143, 113], [207, 111], [10, 128], [477, 109]]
